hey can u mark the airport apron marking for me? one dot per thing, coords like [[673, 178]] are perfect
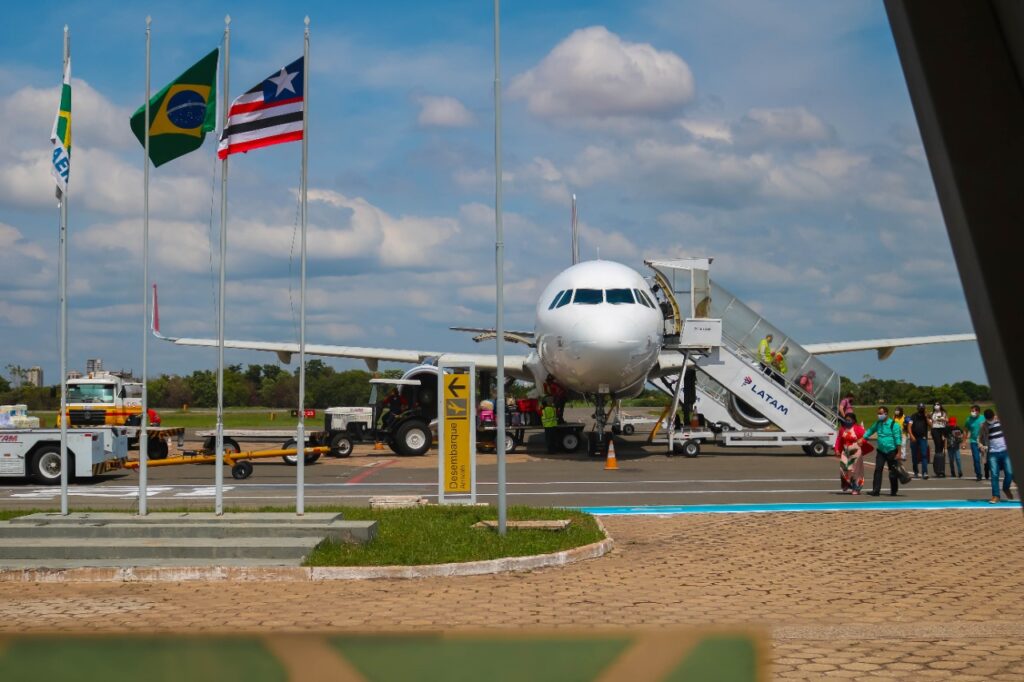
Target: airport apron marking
[[858, 505]]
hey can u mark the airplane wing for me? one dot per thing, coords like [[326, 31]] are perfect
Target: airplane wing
[[514, 364], [885, 347], [671, 362]]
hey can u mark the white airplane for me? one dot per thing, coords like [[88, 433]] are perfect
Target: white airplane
[[598, 332]]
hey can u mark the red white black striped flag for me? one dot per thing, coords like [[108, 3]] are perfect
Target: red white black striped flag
[[268, 114]]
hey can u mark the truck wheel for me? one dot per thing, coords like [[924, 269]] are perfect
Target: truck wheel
[[691, 448], [818, 448], [571, 441], [157, 448], [341, 445], [510, 443], [44, 467], [413, 438], [241, 470], [628, 429], [291, 460]]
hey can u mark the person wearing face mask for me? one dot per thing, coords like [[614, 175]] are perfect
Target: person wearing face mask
[[901, 419], [888, 445], [918, 434], [940, 426], [851, 449], [973, 427], [993, 441]]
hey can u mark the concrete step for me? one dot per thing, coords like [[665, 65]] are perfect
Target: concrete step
[[157, 548], [7, 564], [340, 531], [178, 518]]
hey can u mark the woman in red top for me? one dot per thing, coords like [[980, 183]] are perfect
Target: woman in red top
[[851, 448]]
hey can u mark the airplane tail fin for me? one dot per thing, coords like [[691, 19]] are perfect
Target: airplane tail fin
[[155, 320]]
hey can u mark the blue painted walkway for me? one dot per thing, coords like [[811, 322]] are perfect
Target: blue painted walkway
[[851, 505]]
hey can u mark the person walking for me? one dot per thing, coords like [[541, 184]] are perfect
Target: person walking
[[851, 449], [888, 446], [846, 404], [765, 354], [993, 441], [901, 419], [940, 429], [954, 439], [549, 420], [918, 433], [973, 426]]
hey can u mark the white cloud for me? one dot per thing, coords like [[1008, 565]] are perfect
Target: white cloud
[[709, 130], [443, 112], [594, 73], [759, 127]]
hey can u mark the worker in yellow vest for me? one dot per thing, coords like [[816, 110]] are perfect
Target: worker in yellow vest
[[549, 420]]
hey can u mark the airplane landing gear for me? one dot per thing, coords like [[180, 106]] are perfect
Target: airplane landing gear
[[597, 443]]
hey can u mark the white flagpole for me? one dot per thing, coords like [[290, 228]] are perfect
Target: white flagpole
[[300, 431], [499, 275], [219, 456], [144, 422], [63, 277]]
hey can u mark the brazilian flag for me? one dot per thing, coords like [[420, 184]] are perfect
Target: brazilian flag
[[182, 113]]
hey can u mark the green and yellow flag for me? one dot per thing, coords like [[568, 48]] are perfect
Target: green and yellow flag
[[182, 113], [60, 161]]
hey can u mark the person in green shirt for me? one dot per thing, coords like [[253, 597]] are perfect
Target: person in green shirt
[[973, 427], [889, 438]]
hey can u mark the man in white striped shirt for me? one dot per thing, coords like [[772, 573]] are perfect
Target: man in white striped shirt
[[993, 441]]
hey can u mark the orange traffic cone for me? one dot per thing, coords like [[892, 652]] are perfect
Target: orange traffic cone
[[611, 464], [378, 445]]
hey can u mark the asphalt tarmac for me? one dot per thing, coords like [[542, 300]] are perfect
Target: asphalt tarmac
[[645, 476]]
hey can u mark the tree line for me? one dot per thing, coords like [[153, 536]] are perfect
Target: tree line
[[273, 386]]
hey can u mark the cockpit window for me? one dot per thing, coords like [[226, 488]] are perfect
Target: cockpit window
[[555, 300], [640, 298], [588, 296], [617, 296], [564, 300], [647, 299]]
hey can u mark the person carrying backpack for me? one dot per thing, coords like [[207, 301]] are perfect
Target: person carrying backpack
[[954, 439], [889, 439]]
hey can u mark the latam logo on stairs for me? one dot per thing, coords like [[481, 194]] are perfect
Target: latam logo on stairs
[[766, 398]]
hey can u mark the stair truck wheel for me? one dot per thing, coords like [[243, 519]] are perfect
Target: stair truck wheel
[[628, 429], [157, 448], [341, 445], [413, 438], [570, 440], [818, 448], [691, 448], [241, 470], [44, 465], [290, 460]]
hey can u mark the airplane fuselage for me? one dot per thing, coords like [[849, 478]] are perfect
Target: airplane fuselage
[[599, 329]]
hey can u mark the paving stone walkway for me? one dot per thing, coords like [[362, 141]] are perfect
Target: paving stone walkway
[[907, 594]]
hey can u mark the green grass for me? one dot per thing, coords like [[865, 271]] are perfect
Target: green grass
[[433, 534], [866, 413], [235, 418], [438, 535]]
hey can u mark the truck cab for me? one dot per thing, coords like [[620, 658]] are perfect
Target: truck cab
[[103, 399]]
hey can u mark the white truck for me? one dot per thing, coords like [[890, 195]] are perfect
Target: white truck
[[35, 453]]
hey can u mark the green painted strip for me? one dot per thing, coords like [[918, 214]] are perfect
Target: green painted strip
[[719, 659], [429, 658]]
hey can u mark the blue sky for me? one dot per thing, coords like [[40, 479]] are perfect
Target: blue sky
[[777, 137]]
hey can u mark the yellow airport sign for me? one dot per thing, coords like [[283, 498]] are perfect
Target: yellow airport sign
[[457, 434]]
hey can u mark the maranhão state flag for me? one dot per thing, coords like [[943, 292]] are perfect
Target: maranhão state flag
[[268, 114]]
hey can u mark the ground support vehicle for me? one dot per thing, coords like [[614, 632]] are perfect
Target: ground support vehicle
[[35, 453], [319, 440], [628, 424], [409, 432], [570, 436], [159, 439], [241, 466]]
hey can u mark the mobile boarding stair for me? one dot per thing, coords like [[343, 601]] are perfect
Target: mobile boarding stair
[[741, 402]]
